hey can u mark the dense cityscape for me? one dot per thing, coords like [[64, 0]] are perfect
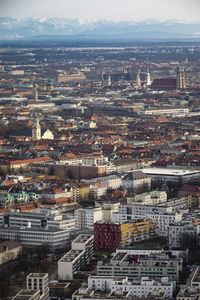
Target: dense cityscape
[[100, 171]]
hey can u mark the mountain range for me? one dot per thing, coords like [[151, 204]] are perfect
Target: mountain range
[[13, 28]]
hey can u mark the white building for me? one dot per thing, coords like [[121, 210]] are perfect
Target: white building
[[86, 217], [163, 220], [128, 212], [104, 283], [148, 198], [174, 175], [98, 160], [40, 218], [112, 182], [33, 237], [108, 209], [80, 254], [97, 190], [135, 180], [177, 230], [140, 289], [166, 112], [38, 282]]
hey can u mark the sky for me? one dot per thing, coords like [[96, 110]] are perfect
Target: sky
[[115, 10]]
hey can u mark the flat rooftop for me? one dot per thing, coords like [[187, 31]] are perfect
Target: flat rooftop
[[71, 256], [166, 171], [119, 256], [25, 295], [82, 238]]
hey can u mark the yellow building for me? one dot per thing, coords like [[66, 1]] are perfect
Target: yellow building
[[81, 191], [133, 232]]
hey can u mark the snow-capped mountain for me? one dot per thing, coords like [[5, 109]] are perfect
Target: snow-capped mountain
[[12, 28]]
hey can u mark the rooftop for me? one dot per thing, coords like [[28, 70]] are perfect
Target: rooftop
[[71, 255], [82, 238], [166, 171]]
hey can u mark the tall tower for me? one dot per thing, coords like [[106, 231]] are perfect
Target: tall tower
[[180, 78], [148, 78], [109, 80], [35, 92], [138, 81], [36, 130]]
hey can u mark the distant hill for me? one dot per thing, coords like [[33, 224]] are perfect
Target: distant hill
[[13, 28]]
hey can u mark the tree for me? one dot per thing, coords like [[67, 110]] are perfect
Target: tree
[[190, 241]]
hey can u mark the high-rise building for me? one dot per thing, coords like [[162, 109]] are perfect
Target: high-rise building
[[180, 78], [36, 130]]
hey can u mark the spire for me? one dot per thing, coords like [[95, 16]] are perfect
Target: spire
[[148, 79]]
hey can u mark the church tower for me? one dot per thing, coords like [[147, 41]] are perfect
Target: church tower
[[109, 81], [148, 78], [138, 81], [36, 130], [180, 78]]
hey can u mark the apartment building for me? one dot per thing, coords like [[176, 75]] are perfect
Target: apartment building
[[109, 236], [80, 255], [135, 180], [108, 208], [86, 217], [97, 190], [36, 288], [112, 182], [128, 212], [83, 171], [149, 198], [177, 230], [139, 288], [163, 220], [38, 281], [153, 266]]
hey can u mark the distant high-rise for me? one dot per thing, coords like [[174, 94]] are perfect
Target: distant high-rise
[[180, 78], [35, 92]]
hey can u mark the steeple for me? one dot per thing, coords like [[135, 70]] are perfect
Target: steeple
[[36, 130], [180, 78], [148, 78]]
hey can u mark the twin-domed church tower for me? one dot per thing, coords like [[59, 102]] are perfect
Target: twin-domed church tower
[[180, 78]]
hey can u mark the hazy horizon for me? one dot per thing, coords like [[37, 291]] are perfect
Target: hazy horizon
[[111, 10]]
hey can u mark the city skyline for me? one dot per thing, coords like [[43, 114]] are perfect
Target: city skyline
[[90, 10]]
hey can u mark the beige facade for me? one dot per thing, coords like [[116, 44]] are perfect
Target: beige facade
[[9, 250]]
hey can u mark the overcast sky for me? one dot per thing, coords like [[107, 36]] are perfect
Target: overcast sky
[[117, 10]]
